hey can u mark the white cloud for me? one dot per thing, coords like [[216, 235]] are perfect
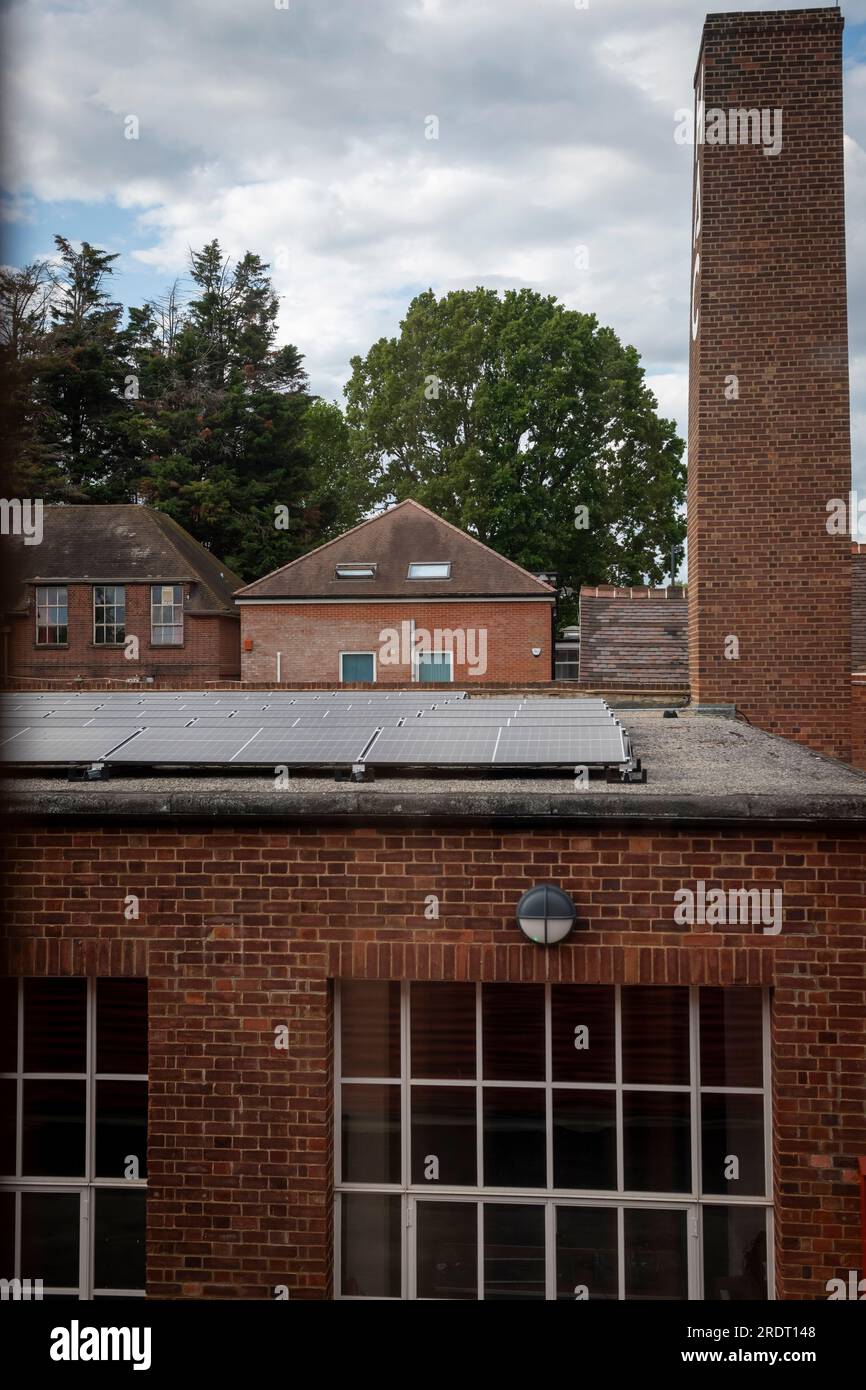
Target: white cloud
[[299, 133]]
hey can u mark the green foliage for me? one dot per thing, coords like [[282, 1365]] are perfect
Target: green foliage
[[507, 414], [190, 407]]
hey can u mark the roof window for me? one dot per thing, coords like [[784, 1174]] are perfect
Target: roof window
[[429, 569], [356, 571]]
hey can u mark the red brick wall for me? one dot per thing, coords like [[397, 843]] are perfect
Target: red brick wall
[[211, 645], [311, 636], [771, 298], [242, 929], [858, 723], [858, 606]]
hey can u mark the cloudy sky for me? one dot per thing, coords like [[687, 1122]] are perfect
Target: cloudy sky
[[298, 129]]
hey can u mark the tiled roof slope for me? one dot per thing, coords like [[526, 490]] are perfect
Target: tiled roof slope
[[633, 636], [118, 542], [858, 607], [392, 541]]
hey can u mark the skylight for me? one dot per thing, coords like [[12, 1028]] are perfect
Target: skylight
[[357, 571], [430, 569]]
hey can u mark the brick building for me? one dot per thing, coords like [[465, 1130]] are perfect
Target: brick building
[[101, 575], [769, 440], [357, 1066], [403, 597]]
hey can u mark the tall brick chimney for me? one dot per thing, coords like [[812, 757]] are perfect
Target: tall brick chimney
[[769, 437]]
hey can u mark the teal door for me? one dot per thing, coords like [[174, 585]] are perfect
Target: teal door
[[357, 666]]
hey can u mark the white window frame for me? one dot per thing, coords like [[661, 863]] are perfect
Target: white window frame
[[176, 606], [86, 1186], [367, 653], [52, 604], [114, 605], [355, 569], [420, 656], [692, 1203], [429, 564]]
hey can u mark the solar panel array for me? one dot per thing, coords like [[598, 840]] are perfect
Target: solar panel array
[[307, 729]]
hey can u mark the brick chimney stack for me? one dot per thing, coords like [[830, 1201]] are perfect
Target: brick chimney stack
[[769, 438]]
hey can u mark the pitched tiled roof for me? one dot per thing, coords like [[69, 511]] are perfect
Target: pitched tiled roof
[[114, 543], [633, 636], [405, 534]]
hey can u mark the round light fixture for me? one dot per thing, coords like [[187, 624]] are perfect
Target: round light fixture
[[545, 914]]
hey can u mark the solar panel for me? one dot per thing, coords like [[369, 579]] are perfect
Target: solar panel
[[61, 745], [308, 748], [308, 729], [579, 746], [438, 747], [184, 746]]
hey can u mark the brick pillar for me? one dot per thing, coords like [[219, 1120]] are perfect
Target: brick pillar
[[769, 440]]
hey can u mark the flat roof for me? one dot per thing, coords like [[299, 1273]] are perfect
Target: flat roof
[[700, 768]]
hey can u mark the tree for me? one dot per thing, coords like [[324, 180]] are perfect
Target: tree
[[79, 377], [220, 416], [24, 318], [508, 416]]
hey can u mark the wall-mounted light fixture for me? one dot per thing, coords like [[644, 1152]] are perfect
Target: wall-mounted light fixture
[[545, 914]]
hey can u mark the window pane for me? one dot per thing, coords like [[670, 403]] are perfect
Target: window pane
[[586, 1253], [583, 1033], [656, 1261], [444, 1135], [54, 1129], [513, 1032], [513, 1252], [371, 1133], [370, 1237], [121, 1026], [514, 1142], [121, 1128], [443, 1031], [7, 1235], [55, 1025], [735, 1253], [50, 1223], [370, 1027], [8, 1025], [732, 1051], [119, 1239], [657, 1143], [8, 1100], [357, 666], [732, 1141], [435, 667], [584, 1139], [655, 1035], [447, 1250]]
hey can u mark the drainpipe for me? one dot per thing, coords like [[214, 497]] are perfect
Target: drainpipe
[[279, 655]]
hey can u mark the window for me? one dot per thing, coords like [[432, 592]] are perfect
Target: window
[[73, 1157], [430, 569], [357, 666], [434, 666], [507, 1142], [51, 615], [359, 571], [109, 614], [166, 615]]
